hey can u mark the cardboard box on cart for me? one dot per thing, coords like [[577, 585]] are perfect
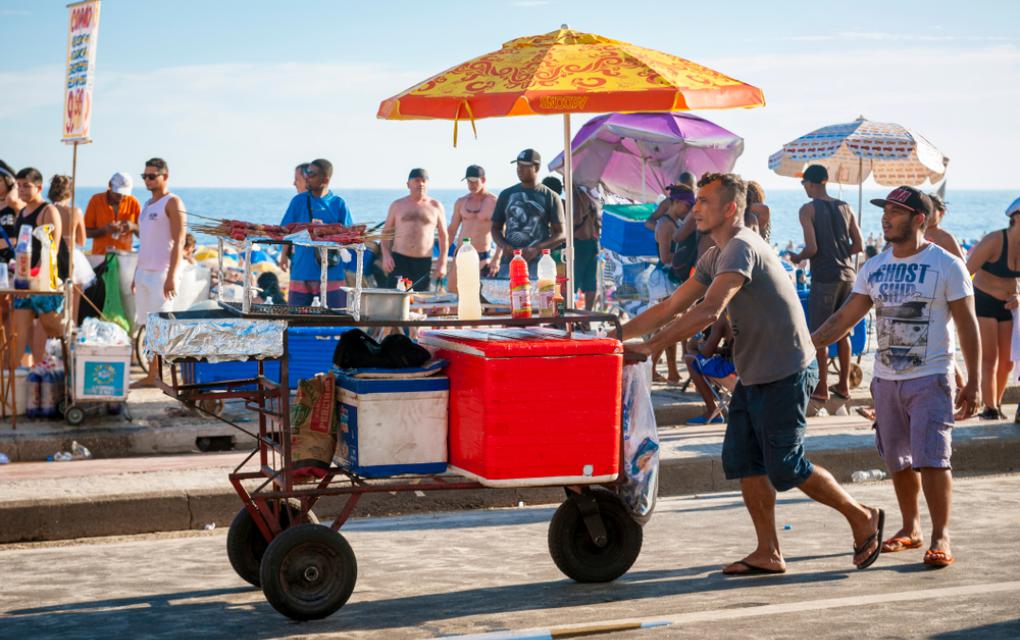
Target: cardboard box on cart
[[532, 406]]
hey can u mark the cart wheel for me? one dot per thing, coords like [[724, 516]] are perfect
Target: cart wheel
[[211, 406], [75, 415], [308, 572], [62, 407], [246, 546], [140, 349], [576, 553], [856, 375]]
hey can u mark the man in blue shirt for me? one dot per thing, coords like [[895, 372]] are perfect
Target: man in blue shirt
[[317, 204]]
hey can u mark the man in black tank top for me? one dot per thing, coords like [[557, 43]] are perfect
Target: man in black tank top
[[831, 240]]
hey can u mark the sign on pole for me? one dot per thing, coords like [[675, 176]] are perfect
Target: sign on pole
[[82, 36]]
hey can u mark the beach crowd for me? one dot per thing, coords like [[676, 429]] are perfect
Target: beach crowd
[[732, 314]]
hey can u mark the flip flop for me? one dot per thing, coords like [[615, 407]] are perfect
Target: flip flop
[[938, 559], [752, 570], [841, 396], [900, 543], [874, 537]]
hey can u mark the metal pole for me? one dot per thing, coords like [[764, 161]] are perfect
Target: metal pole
[[860, 207], [246, 289], [568, 215], [70, 321]]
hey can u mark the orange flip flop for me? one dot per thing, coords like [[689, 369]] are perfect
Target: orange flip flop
[[900, 543], [938, 559]]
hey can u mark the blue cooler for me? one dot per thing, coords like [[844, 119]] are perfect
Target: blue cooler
[[310, 352], [624, 230], [393, 426]]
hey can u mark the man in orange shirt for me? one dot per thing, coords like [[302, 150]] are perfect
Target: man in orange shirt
[[111, 218]]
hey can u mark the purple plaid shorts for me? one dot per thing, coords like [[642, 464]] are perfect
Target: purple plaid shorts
[[914, 422]]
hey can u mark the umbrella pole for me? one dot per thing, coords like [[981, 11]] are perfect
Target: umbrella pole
[[568, 215], [860, 206]]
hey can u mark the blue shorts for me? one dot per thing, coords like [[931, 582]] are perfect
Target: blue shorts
[[765, 431], [39, 305], [714, 367]]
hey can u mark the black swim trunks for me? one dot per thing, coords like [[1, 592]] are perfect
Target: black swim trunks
[[417, 270]]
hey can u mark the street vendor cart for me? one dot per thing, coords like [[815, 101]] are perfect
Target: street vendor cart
[[496, 438]]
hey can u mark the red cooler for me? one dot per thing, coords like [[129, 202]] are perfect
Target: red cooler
[[532, 406]]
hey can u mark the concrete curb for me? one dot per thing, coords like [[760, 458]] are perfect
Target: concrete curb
[[65, 518]]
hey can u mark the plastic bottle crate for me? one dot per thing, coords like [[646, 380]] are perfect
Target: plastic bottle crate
[[310, 351]]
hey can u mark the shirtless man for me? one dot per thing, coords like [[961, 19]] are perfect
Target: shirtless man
[[472, 218], [414, 221]]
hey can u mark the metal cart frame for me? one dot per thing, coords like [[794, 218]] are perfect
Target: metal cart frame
[[274, 541]]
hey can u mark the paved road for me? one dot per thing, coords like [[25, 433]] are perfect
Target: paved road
[[483, 572]]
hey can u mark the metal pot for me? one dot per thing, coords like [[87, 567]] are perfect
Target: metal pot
[[382, 304]]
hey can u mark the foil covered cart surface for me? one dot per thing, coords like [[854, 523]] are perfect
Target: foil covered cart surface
[[213, 339]]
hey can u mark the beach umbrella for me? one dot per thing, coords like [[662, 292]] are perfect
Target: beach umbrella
[[852, 152], [565, 72], [634, 154]]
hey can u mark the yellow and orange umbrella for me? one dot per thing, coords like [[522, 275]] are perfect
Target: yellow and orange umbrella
[[564, 72]]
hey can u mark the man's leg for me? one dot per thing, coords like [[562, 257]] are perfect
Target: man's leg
[[864, 522], [938, 492], [672, 373], [760, 500], [843, 355], [742, 459], [907, 484], [821, 391], [702, 386]]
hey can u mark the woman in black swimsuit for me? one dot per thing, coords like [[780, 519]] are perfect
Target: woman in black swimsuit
[[995, 265]]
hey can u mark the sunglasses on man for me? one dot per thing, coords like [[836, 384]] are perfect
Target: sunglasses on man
[[150, 176]]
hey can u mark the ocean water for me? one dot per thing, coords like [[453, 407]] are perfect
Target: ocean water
[[971, 213]]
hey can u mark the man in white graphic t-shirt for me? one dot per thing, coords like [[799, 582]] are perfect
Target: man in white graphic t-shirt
[[916, 288], [162, 226]]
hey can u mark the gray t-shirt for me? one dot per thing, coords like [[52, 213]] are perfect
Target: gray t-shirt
[[770, 334]]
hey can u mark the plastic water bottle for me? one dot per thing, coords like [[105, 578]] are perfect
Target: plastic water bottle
[[23, 259], [80, 451], [520, 296], [546, 285], [34, 402], [47, 392], [871, 475], [469, 285]]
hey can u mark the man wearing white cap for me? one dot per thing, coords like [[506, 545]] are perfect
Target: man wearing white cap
[[111, 218]]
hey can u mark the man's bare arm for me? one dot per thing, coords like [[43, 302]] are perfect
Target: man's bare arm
[[444, 241], [807, 217], [686, 229], [701, 315], [661, 313], [555, 239], [965, 320], [658, 213], [840, 323], [856, 242]]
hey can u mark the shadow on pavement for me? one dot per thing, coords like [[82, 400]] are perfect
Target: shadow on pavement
[[210, 615], [1007, 630]]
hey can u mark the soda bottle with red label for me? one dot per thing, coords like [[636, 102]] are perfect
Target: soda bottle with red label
[[520, 286]]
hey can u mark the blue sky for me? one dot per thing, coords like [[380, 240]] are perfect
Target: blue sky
[[236, 93]]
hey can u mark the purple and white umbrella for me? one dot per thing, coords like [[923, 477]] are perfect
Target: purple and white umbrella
[[636, 155]]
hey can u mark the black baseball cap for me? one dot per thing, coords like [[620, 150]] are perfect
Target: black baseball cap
[[816, 173], [474, 171], [528, 156], [418, 172], [908, 198]]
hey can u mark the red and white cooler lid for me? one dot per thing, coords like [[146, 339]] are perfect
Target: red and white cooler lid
[[520, 342]]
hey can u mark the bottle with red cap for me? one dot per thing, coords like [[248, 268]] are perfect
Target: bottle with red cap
[[520, 287]]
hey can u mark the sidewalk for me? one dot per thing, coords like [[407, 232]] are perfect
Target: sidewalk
[[60, 500]]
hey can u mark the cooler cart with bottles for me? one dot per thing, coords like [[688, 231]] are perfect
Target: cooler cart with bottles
[[98, 379], [531, 404]]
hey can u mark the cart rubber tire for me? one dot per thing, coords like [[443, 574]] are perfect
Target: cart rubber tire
[[139, 344], [856, 375], [246, 546], [74, 415], [577, 555], [308, 572]]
